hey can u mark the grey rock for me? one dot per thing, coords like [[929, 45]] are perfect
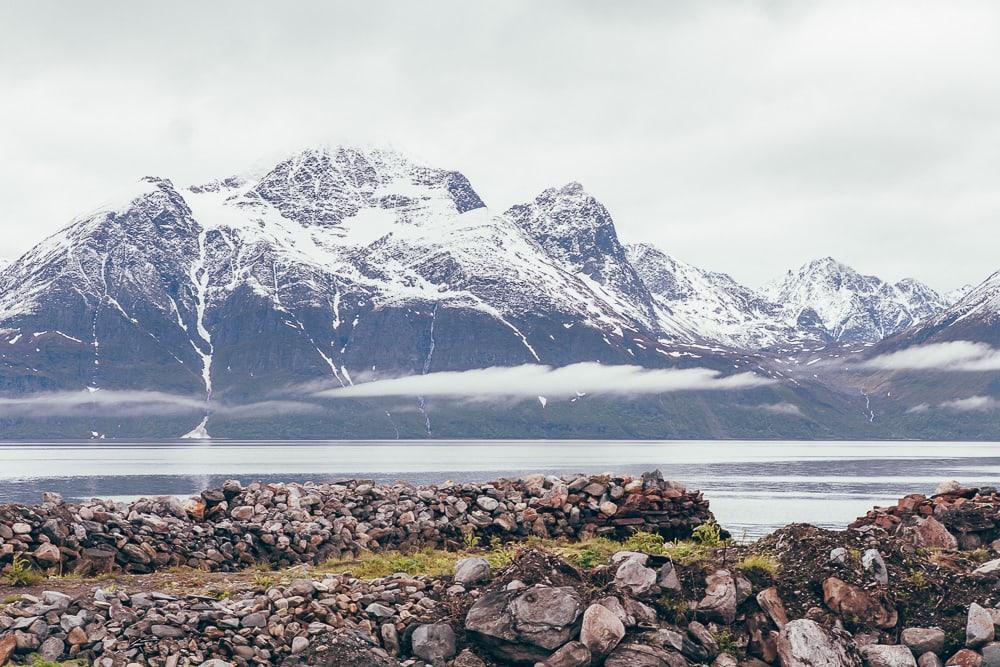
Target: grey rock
[[633, 577], [929, 660], [880, 655], [922, 640], [470, 571], [433, 642], [641, 655], [524, 625], [806, 643], [602, 630], [571, 654], [979, 629], [719, 603], [872, 561]]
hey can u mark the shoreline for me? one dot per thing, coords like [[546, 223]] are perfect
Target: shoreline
[[388, 574]]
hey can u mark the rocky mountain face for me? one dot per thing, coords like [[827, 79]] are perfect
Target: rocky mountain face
[[835, 301], [347, 264]]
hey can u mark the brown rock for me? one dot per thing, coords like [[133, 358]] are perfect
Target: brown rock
[[964, 658], [8, 644], [770, 601], [850, 601]]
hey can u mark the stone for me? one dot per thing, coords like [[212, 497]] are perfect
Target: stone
[[922, 640], [467, 659], [379, 610], [433, 642], [839, 555], [299, 644], [667, 578], [166, 631], [470, 571], [880, 655], [991, 654], [487, 503], [979, 629], [873, 562], [242, 513], [719, 603], [949, 486], [930, 532], [771, 603], [964, 658], [524, 625], [725, 660], [850, 601], [640, 655], [52, 649], [258, 619], [47, 554], [634, 578], [76, 636], [8, 644], [929, 660], [572, 654], [21, 528], [806, 643], [602, 630], [989, 567]]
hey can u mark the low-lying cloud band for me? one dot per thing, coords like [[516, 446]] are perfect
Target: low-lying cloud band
[[531, 380]]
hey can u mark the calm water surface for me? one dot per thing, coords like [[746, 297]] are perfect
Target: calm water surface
[[753, 487]]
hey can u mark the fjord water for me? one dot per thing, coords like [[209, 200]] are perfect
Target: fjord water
[[753, 487]]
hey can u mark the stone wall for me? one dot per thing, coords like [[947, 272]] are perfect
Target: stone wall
[[233, 527]]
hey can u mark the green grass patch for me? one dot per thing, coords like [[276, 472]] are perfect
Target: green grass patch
[[22, 574], [762, 564]]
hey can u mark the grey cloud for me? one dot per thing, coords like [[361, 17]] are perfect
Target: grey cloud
[[138, 403], [959, 355], [972, 404], [532, 380], [763, 123], [782, 408]]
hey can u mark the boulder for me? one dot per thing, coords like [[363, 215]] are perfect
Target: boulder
[[948, 486], [932, 533], [770, 602], [881, 655], [850, 601], [923, 640], [633, 577], [433, 642], [979, 629], [8, 644], [343, 648], [469, 571], [525, 625], [719, 603], [805, 643], [602, 630]]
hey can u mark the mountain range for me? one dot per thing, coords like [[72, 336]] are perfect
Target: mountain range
[[242, 298]]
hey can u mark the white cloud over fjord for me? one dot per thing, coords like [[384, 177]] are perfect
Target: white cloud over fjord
[[533, 380], [959, 355], [124, 403]]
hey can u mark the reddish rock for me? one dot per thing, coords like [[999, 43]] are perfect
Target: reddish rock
[[965, 658]]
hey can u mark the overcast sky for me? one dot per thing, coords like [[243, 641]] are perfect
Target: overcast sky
[[744, 137]]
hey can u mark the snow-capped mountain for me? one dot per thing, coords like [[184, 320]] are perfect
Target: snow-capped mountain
[[837, 302], [334, 262], [345, 262], [705, 304], [975, 316]]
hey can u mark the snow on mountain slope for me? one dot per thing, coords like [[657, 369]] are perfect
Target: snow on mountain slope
[[976, 316], [844, 305], [577, 231], [707, 304]]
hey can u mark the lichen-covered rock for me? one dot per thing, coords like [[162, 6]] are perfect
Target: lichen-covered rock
[[881, 655], [923, 640], [433, 642], [806, 643], [602, 630], [719, 603], [526, 625]]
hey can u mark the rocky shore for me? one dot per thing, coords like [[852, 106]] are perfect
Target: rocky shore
[[559, 572]]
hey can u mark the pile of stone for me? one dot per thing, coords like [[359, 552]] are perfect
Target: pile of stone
[[235, 526], [954, 517]]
